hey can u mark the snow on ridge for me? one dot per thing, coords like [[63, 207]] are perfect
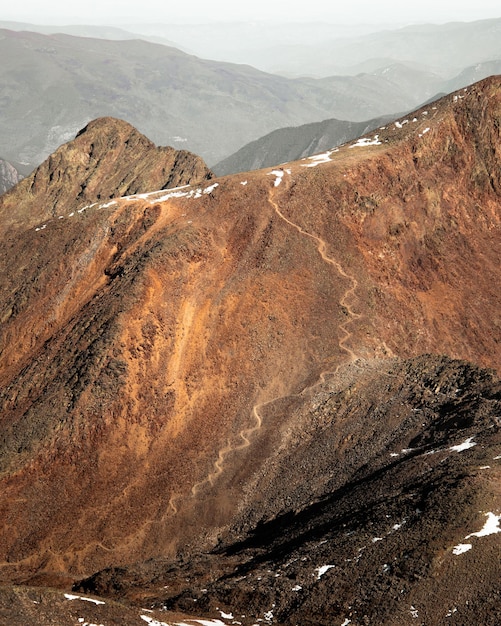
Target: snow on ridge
[[69, 596], [467, 443], [322, 570], [366, 141], [461, 548], [150, 196], [317, 159], [491, 526], [279, 174], [152, 622]]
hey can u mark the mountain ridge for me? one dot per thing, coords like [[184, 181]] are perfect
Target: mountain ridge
[[107, 158], [197, 343]]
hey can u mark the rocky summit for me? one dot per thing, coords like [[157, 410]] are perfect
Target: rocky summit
[[271, 397], [107, 158]]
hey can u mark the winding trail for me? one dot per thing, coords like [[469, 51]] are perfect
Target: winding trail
[[245, 434], [321, 247]]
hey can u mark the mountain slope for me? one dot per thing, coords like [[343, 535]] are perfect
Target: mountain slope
[[216, 366], [108, 158], [58, 83], [291, 144]]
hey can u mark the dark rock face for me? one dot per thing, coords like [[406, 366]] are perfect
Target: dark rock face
[[9, 176], [238, 381], [109, 158]]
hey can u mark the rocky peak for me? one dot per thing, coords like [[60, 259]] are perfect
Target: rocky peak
[[108, 158], [9, 176]]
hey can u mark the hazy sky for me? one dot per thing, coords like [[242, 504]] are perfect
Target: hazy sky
[[348, 11]]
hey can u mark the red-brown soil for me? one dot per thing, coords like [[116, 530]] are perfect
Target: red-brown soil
[[164, 364]]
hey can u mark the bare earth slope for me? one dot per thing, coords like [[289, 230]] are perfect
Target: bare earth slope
[[179, 368]]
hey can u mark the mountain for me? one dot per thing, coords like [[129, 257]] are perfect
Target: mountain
[[9, 176], [269, 396], [436, 48], [86, 30], [294, 143], [52, 85], [108, 158]]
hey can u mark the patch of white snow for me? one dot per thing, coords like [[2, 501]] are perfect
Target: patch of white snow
[[322, 570], [491, 526], [279, 175], [366, 141], [318, 159], [461, 548], [468, 443], [153, 622], [68, 596], [211, 188]]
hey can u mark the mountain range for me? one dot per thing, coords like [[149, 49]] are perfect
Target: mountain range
[[60, 82], [271, 397]]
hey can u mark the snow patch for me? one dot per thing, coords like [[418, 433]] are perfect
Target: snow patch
[[211, 188], [297, 588], [152, 622], [366, 141], [243, 182], [491, 526], [317, 159], [69, 596], [468, 443], [226, 615], [279, 175], [461, 548], [322, 570]]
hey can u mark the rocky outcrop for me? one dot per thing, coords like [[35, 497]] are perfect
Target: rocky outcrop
[[109, 158], [9, 176], [188, 375]]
